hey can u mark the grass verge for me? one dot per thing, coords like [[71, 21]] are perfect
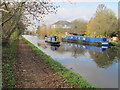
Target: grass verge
[[74, 79], [8, 62]]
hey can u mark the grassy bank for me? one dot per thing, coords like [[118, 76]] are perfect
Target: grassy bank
[[75, 80], [8, 62], [9, 49]]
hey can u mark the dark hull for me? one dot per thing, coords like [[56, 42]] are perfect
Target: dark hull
[[53, 43]]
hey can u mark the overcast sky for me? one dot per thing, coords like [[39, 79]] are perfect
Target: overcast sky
[[74, 9]]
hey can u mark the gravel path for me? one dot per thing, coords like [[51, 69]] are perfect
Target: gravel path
[[32, 72]]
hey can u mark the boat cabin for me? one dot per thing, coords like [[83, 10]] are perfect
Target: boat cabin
[[52, 40]]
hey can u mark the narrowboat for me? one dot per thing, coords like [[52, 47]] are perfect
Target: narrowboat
[[52, 40], [97, 40]]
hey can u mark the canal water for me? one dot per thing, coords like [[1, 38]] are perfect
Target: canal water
[[98, 65]]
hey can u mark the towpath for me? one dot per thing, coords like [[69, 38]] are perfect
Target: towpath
[[32, 72]]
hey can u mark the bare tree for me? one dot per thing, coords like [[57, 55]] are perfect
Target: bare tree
[[15, 14], [101, 7]]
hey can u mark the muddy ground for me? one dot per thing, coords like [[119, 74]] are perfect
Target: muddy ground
[[32, 72]]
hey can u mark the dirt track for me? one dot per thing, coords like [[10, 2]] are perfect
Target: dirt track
[[33, 72]]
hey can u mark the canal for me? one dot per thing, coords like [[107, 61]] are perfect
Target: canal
[[98, 65]]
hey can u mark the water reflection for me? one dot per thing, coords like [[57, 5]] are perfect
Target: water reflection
[[94, 48], [103, 56], [42, 45], [104, 59], [46, 45], [54, 48], [98, 65]]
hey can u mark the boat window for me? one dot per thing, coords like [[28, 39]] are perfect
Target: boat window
[[77, 37], [104, 39], [69, 37], [64, 36], [74, 37], [84, 38]]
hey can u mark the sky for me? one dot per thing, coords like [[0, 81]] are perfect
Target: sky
[[75, 9], [70, 10]]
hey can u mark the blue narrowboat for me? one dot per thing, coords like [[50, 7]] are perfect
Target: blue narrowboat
[[97, 40]]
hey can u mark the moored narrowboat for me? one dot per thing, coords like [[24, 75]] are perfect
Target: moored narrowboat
[[88, 40], [52, 40]]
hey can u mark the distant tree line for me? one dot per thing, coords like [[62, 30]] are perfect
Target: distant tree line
[[103, 23], [77, 26]]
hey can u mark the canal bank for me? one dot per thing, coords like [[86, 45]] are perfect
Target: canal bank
[[32, 72], [97, 65], [8, 63], [74, 80]]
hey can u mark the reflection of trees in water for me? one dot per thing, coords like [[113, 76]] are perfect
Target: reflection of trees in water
[[77, 52], [118, 53], [62, 49], [104, 59], [42, 45]]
